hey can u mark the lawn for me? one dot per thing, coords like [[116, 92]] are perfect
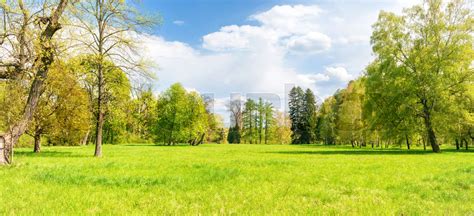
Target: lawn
[[238, 179]]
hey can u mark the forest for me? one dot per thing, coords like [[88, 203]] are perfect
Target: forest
[[73, 84]]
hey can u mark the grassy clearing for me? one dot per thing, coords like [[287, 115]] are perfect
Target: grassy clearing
[[240, 179]]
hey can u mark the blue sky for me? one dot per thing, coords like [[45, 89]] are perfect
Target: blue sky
[[201, 17], [223, 47]]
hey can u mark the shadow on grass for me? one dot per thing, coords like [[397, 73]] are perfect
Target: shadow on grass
[[368, 152], [156, 145], [49, 154]]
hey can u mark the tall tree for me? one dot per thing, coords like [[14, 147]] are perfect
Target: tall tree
[[269, 120], [326, 126], [248, 121], [106, 29], [423, 59], [309, 118], [235, 129], [296, 106], [28, 58], [63, 109]]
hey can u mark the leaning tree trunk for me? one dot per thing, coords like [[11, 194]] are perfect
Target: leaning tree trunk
[[43, 62], [429, 129], [86, 137]]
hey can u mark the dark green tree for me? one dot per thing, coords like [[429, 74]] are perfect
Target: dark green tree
[[296, 106], [308, 133]]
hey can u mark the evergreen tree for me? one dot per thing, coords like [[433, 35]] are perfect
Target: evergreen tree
[[296, 105], [309, 118]]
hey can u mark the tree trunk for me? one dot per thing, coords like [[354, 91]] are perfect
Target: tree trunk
[[99, 130], [37, 137], [100, 112], [44, 60], [457, 144], [408, 142], [201, 140], [465, 142], [429, 128], [86, 138]]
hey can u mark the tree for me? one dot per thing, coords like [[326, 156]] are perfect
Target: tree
[[28, 58], [280, 131], [257, 121], [235, 109], [296, 106], [63, 109], [309, 118], [326, 125], [142, 114], [105, 30], [181, 117], [350, 122], [423, 60], [248, 123], [269, 120]]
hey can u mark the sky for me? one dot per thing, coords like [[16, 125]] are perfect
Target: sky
[[261, 47]]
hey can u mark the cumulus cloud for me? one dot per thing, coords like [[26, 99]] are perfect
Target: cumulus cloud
[[313, 42], [288, 19], [290, 28], [339, 73]]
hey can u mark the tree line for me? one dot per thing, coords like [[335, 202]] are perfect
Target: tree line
[[71, 70], [418, 90]]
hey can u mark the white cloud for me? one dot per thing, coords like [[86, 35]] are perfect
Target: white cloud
[[339, 73], [285, 45], [297, 19], [290, 28], [313, 42], [236, 38], [178, 22]]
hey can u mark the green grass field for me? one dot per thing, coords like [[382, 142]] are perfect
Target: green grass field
[[238, 179]]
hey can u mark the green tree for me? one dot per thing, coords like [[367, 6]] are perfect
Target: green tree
[[326, 125], [309, 118], [248, 124], [105, 29], [296, 106], [63, 109], [350, 122], [36, 51], [181, 117], [423, 60]]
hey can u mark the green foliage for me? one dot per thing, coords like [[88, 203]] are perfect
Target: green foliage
[[234, 136], [423, 64], [182, 116], [63, 110], [296, 105], [308, 134], [257, 120], [303, 115], [326, 127]]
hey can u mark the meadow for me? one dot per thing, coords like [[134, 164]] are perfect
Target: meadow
[[238, 179]]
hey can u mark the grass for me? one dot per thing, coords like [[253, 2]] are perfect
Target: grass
[[238, 179]]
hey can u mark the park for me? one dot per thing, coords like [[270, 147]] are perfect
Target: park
[[236, 107]]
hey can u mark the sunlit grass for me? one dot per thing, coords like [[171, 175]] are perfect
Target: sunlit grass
[[240, 179]]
